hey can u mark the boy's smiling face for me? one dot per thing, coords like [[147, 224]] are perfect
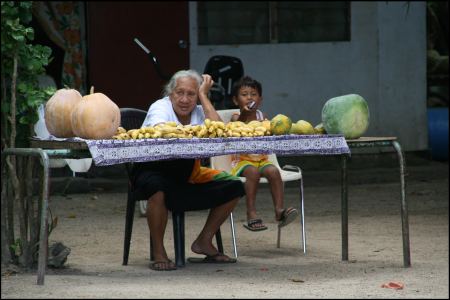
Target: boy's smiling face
[[245, 96]]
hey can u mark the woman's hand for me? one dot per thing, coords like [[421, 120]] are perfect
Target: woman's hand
[[206, 85], [208, 108]]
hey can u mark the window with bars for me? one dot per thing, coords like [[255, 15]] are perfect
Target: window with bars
[[252, 22]]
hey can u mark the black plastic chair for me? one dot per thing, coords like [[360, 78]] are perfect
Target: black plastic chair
[[132, 118], [225, 71]]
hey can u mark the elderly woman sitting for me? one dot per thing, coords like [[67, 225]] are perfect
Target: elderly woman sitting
[[183, 184]]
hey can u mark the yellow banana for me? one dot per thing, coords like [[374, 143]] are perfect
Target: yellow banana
[[157, 134], [134, 134], [120, 130], [266, 124], [259, 133], [148, 129], [124, 136], [254, 123], [246, 129], [202, 132], [260, 128]]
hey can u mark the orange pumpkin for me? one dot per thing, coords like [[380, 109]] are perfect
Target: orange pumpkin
[[95, 117], [58, 112]]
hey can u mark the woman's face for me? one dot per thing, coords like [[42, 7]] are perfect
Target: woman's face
[[184, 97]]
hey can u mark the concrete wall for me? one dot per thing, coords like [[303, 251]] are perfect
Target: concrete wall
[[385, 62]]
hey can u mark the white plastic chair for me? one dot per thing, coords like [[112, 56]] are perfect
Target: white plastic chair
[[287, 172]]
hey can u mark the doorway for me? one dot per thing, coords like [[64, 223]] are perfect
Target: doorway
[[117, 66]]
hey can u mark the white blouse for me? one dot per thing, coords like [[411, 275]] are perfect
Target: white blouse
[[162, 111]]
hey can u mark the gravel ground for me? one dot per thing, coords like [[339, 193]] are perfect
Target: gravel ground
[[92, 225]]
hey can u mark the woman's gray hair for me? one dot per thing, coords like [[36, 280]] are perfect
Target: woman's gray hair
[[170, 86]]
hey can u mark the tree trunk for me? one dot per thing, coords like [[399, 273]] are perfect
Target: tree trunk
[[6, 251], [11, 160]]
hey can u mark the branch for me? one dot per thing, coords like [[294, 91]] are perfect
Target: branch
[[4, 121], [13, 103]]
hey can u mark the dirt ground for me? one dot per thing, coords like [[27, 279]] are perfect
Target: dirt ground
[[92, 225]]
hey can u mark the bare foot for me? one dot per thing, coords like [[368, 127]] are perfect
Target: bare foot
[[211, 253], [160, 256], [205, 249], [163, 265]]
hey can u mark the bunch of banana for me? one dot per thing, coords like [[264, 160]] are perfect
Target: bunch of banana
[[253, 128], [209, 129], [121, 134], [164, 130]]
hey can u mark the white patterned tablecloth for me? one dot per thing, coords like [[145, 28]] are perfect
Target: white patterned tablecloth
[[111, 152]]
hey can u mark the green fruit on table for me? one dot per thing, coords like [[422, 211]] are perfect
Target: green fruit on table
[[302, 127], [319, 129], [347, 115], [280, 124]]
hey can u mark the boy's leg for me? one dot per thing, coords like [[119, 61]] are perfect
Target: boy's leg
[[276, 188], [282, 215], [252, 177]]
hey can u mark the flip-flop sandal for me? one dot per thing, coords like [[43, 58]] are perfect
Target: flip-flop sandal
[[251, 225], [163, 266], [287, 216], [212, 259]]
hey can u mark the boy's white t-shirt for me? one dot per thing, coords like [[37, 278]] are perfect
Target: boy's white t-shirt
[[162, 111]]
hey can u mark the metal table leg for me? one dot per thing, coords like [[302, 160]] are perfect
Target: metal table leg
[[380, 142], [302, 206], [344, 209], [404, 207]]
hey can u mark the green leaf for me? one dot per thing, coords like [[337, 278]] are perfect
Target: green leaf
[[18, 37], [5, 107], [32, 60]]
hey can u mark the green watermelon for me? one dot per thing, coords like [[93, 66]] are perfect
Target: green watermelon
[[347, 115]]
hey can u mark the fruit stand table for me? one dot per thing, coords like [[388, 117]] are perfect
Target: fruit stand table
[[110, 152]]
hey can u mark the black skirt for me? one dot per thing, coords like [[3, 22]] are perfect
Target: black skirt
[[171, 178]]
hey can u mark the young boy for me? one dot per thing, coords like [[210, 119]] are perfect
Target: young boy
[[247, 94]]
